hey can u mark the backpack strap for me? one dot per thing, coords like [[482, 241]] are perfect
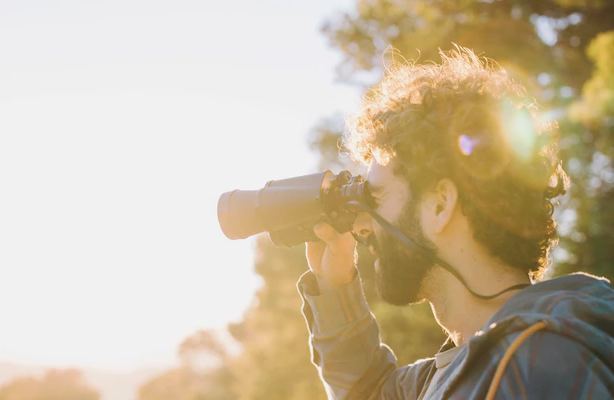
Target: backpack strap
[[496, 380]]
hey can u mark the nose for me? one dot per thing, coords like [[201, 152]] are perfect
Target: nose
[[363, 225]]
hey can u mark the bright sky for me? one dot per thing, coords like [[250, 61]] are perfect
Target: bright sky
[[121, 123]]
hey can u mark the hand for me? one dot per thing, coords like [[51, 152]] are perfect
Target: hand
[[332, 259]]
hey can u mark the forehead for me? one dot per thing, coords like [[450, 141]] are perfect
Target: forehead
[[382, 180]]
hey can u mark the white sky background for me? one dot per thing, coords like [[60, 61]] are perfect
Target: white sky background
[[121, 123]]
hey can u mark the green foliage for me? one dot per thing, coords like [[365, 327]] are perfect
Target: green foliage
[[185, 383], [204, 372], [589, 246], [274, 358], [54, 385], [597, 105], [601, 241], [411, 332], [203, 346], [325, 139], [418, 29], [274, 363], [596, 4]]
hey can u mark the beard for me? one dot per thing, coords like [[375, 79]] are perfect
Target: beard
[[401, 272]]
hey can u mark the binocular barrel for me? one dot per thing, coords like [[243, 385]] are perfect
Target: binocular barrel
[[279, 205], [288, 209]]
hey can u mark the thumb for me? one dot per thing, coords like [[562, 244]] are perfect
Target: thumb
[[325, 232]]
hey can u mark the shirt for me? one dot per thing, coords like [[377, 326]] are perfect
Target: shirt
[[442, 360]]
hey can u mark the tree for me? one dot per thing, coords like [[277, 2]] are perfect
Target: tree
[[544, 45], [184, 383], [592, 242], [597, 105], [274, 359], [54, 385], [203, 374], [202, 349], [274, 362]]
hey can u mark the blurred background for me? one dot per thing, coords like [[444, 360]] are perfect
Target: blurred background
[[121, 123]]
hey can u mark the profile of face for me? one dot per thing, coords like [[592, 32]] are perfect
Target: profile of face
[[399, 272]]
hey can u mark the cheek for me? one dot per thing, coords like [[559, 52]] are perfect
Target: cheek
[[387, 208], [374, 238], [426, 220]]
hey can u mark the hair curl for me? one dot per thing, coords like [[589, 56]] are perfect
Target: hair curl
[[466, 120]]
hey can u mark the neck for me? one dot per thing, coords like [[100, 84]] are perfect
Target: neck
[[456, 310]]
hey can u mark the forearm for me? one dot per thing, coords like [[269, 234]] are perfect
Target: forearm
[[344, 339]]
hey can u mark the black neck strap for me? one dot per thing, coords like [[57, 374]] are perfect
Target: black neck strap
[[415, 247]]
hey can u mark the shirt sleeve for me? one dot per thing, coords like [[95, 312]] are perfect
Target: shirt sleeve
[[344, 340]]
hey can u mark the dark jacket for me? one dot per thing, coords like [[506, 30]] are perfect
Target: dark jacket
[[571, 358]]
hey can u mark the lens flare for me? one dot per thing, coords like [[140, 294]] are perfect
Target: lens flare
[[519, 131], [465, 144]]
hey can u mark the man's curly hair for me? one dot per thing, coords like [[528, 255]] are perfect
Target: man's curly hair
[[466, 120]]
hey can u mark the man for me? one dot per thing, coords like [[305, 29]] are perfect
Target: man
[[463, 179]]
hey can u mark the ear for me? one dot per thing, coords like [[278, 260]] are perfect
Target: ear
[[444, 200]]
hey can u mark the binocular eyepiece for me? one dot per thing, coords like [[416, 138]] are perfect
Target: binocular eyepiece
[[288, 209]]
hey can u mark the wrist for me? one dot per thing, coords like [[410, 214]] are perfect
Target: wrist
[[329, 285]]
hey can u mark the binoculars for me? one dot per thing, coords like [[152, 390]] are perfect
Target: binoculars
[[288, 209]]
